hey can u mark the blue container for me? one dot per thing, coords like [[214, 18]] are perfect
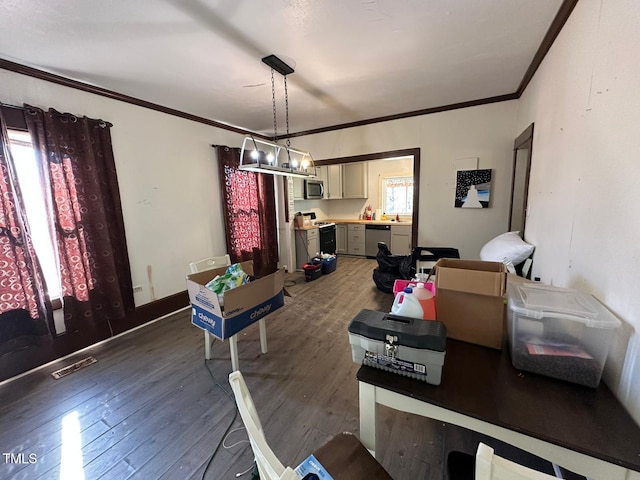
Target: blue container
[[329, 264]]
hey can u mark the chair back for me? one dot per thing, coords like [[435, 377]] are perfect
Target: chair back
[[492, 467], [269, 467], [424, 258], [209, 263]]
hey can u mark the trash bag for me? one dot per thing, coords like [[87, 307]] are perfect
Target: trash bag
[[388, 270], [384, 280], [387, 262], [407, 268]]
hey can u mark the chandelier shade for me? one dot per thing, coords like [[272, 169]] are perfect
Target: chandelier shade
[[263, 156]]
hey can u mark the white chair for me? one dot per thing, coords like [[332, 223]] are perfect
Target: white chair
[[344, 452], [209, 263], [492, 467], [217, 262], [269, 467]]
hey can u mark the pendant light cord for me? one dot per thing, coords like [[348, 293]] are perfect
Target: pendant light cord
[[286, 109], [273, 100]]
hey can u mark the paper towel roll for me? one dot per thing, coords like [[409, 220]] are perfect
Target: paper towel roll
[[378, 213]]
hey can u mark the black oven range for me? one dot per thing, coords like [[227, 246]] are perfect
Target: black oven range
[[326, 234]]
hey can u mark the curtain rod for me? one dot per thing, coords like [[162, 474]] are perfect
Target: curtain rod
[[103, 123], [11, 106]]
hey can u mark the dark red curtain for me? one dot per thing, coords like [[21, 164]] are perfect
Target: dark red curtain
[[249, 206], [77, 158], [25, 313]]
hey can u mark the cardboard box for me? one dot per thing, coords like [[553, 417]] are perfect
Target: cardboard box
[[303, 221], [243, 305], [470, 300]]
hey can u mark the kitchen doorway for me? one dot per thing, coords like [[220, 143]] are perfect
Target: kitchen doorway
[[409, 152]]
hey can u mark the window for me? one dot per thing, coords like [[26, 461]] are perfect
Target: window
[[397, 195], [29, 177]]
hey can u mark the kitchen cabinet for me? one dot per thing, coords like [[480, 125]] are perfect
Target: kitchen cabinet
[[307, 245], [349, 180], [322, 173], [400, 239], [355, 180], [333, 187], [298, 188], [355, 239], [341, 239]]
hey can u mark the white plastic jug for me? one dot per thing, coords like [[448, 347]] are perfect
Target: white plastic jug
[[406, 304], [427, 301]]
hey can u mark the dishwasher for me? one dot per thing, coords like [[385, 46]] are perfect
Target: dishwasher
[[373, 235]]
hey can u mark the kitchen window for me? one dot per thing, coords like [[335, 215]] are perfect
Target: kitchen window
[[397, 195]]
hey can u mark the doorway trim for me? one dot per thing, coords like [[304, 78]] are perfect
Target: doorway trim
[[413, 152], [523, 142]]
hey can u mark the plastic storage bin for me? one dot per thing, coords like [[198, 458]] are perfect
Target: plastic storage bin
[[399, 285], [558, 332], [329, 264]]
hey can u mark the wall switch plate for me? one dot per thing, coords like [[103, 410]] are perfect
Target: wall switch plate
[[137, 288]]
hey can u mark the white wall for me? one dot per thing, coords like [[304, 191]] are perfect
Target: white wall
[[584, 197], [486, 132], [168, 177]]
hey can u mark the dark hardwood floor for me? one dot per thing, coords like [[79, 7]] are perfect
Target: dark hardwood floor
[[149, 408]]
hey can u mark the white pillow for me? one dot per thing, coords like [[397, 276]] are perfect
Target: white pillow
[[506, 247]]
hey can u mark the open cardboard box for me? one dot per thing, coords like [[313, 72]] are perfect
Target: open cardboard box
[[303, 221], [470, 300], [243, 305]]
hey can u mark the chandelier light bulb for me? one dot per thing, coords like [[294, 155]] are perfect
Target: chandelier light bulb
[[270, 158], [254, 154], [294, 163]]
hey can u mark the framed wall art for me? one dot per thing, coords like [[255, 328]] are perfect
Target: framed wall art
[[473, 188]]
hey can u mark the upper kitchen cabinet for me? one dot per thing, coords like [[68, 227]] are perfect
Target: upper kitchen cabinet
[[322, 173], [298, 188], [344, 181], [333, 184], [355, 183]]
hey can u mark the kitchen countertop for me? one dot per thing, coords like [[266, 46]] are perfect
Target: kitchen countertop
[[369, 222], [310, 227], [341, 221]]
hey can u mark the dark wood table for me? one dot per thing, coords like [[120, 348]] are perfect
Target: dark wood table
[[583, 429]]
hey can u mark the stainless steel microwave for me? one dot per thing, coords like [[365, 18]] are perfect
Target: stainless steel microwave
[[313, 190]]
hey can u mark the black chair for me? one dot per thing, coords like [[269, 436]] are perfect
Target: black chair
[[404, 267], [424, 258]]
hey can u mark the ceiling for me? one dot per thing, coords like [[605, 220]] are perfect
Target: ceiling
[[354, 60]]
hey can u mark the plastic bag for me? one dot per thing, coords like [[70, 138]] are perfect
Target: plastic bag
[[387, 262], [384, 280], [232, 278]]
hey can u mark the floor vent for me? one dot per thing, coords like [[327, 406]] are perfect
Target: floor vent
[[74, 367]]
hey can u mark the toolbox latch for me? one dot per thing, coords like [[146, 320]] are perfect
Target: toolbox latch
[[390, 349]]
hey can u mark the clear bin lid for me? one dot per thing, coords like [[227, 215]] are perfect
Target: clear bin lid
[[537, 301]]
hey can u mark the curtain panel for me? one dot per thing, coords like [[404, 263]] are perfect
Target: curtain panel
[[249, 208], [77, 164], [25, 311]]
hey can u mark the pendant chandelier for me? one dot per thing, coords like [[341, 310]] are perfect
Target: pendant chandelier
[[264, 156]]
